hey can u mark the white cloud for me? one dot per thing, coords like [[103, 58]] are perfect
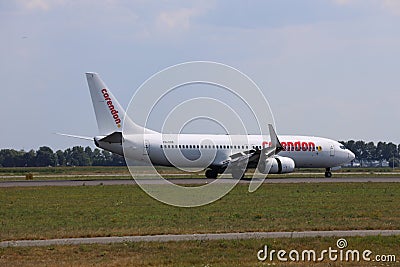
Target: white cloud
[[342, 2], [176, 19], [392, 5], [44, 5]]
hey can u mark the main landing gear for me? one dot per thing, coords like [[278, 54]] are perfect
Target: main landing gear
[[212, 173], [328, 173], [236, 173]]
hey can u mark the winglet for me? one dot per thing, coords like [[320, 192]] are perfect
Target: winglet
[[274, 139]]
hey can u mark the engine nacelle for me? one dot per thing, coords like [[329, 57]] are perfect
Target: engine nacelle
[[278, 165]]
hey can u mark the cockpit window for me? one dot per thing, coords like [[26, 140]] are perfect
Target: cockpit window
[[342, 147]]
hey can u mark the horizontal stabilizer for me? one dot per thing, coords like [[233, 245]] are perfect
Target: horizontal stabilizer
[[115, 137], [76, 136]]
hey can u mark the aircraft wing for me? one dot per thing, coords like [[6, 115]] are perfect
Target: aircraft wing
[[243, 159]]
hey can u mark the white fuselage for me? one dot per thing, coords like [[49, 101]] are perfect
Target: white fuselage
[[195, 150]]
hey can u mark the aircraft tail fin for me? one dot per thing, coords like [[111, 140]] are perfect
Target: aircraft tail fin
[[109, 113]]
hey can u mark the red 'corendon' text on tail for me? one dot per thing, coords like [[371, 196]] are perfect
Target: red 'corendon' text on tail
[[110, 105], [294, 146]]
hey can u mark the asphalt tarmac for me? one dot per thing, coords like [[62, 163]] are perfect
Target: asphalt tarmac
[[194, 181]]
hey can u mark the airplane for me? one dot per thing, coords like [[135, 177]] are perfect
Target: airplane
[[276, 155]]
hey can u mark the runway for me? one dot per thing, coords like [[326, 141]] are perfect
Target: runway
[[195, 237], [194, 181]]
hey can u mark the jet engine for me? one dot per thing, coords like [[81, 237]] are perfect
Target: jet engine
[[278, 165]]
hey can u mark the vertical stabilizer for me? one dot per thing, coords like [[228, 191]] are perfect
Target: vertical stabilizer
[[109, 113]]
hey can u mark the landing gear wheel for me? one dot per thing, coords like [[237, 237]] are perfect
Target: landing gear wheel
[[211, 173], [328, 173]]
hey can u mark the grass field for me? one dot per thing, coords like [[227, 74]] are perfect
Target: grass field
[[197, 253], [55, 212], [86, 211]]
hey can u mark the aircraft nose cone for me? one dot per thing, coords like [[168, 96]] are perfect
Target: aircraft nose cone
[[351, 155]]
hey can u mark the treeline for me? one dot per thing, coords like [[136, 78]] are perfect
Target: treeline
[[80, 156], [365, 152], [45, 156]]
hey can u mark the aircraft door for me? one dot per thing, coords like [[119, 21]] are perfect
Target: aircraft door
[[332, 150], [146, 147]]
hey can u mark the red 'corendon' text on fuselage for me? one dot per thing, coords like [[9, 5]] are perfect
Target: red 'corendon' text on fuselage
[[110, 105], [294, 146]]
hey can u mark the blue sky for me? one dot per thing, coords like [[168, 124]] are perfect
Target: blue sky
[[328, 68]]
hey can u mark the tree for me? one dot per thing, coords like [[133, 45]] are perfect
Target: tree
[[370, 151], [89, 153], [61, 160], [11, 158], [117, 160], [68, 157], [79, 157], [30, 158], [390, 151], [45, 157], [98, 158]]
